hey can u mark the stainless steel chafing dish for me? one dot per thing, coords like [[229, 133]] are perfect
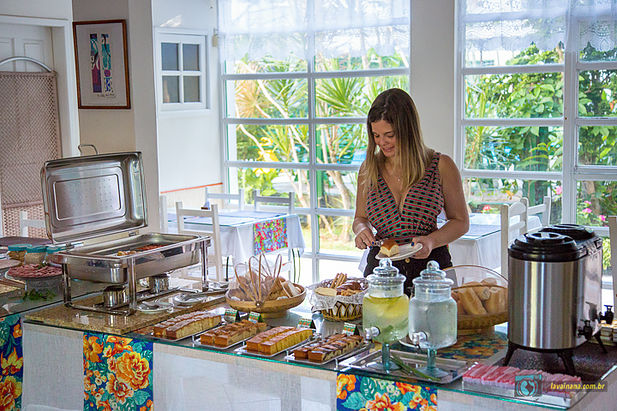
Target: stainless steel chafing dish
[[88, 197]]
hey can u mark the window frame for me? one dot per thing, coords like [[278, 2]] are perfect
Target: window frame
[[571, 173], [229, 167], [181, 37]]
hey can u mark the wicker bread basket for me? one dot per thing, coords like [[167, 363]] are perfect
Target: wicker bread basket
[[269, 306], [339, 307], [465, 274]]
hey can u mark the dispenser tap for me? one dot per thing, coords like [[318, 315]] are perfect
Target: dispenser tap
[[586, 330], [370, 333], [608, 315], [418, 337]]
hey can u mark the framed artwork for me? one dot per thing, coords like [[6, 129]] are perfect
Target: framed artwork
[[101, 60]]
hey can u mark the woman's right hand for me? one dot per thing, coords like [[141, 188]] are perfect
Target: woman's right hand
[[364, 238]]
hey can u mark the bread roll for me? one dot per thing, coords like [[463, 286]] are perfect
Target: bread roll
[[483, 293], [459, 305], [491, 281], [470, 301], [497, 302], [389, 248]]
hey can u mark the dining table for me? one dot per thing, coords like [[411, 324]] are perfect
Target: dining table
[[245, 233]]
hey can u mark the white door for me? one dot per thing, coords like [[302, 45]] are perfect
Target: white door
[[24, 40]]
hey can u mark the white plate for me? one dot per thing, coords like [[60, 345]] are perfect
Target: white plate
[[187, 299], [161, 306], [404, 251]]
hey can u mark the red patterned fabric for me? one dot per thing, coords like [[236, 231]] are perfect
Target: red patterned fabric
[[422, 205]]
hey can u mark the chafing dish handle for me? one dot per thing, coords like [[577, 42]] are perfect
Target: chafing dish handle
[[204, 265]]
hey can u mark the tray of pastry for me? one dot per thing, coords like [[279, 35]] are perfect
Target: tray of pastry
[[228, 335], [186, 325], [274, 341], [327, 349]]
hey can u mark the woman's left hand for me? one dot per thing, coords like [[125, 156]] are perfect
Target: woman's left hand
[[427, 246]]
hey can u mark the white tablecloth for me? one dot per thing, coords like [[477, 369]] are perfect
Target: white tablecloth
[[237, 230], [482, 243]]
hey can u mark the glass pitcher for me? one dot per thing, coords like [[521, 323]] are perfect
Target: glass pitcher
[[384, 308], [432, 310]]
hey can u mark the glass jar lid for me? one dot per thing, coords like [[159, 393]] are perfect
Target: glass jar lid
[[36, 249], [385, 274], [19, 247], [432, 278]]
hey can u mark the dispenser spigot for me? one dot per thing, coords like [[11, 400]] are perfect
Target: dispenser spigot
[[586, 330], [608, 315], [370, 333], [418, 337]]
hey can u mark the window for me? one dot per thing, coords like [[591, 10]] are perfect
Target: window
[[298, 82], [538, 106], [182, 71]]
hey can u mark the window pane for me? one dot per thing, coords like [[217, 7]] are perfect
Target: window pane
[[341, 143], [191, 89], [275, 182], [268, 142], [597, 145], [283, 98], [514, 95], [171, 89], [513, 148], [190, 57], [589, 51], [352, 96], [281, 64], [169, 56], [330, 268], [485, 195], [336, 189], [595, 201], [336, 236], [333, 49], [597, 93]]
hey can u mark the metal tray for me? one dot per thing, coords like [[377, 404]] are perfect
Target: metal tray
[[243, 350], [455, 368], [183, 338], [91, 196], [197, 343], [548, 399], [96, 263], [364, 346]]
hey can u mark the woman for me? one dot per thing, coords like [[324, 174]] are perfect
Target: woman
[[403, 186]]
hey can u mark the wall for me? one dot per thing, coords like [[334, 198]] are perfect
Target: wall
[[190, 136], [432, 70], [133, 129]]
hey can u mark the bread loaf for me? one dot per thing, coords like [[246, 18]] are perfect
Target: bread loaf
[[326, 349], [497, 302], [277, 339], [192, 326], [470, 301], [253, 343], [389, 247]]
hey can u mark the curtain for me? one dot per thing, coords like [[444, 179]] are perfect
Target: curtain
[[489, 26], [283, 28]]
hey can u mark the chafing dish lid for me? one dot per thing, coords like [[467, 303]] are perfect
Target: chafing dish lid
[[92, 196]]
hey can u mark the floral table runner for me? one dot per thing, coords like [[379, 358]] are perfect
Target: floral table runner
[[117, 373], [356, 392], [11, 362]]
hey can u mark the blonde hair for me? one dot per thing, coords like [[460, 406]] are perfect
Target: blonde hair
[[397, 108]]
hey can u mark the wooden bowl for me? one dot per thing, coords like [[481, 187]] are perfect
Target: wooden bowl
[[272, 308]]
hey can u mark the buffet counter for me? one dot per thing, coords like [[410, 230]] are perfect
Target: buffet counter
[[185, 376]]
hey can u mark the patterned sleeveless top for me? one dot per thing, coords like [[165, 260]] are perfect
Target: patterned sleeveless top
[[422, 205]]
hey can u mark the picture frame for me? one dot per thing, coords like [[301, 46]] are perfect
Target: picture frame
[[101, 63]]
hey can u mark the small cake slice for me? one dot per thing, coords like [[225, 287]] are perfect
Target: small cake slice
[[389, 247]]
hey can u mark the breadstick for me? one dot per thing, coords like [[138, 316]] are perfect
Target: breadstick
[[496, 303]]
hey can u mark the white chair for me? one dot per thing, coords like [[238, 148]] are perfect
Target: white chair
[[511, 227], [612, 229], [215, 233], [544, 209], [163, 215], [25, 222], [226, 197], [286, 202]]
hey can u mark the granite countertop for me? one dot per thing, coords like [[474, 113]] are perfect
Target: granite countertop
[[67, 317]]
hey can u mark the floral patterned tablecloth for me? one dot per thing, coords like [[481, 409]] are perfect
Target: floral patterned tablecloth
[[363, 393], [11, 362], [117, 373]]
